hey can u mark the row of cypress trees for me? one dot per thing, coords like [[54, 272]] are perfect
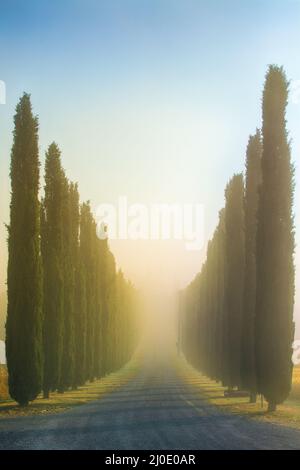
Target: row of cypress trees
[[237, 314], [71, 315]]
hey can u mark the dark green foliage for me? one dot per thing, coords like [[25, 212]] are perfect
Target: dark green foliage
[[252, 183], [24, 315], [101, 327], [110, 293], [87, 241], [99, 293], [220, 366], [80, 310], [3, 313], [74, 267], [71, 316], [70, 201], [105, 283], [52, 255], [110, 304], [235, 271], [275, 247], [237, 314]]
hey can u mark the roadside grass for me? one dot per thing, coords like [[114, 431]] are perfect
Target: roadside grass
[[287, 414], [3, 383], [59, 402]]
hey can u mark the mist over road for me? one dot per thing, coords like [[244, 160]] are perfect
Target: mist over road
[[155, 410]]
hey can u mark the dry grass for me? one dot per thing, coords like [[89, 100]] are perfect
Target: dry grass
[[3, 383], [287, 414], [295, 392], [62, 401]]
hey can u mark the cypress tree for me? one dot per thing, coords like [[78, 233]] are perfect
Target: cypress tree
[[210, 309], [86, 240], [80, 307], [74, 260], [123, 319], [201, 320], [98, 306], [110, 336], [24, 280], [220, 358], [52, 256], [253, 180], [235, 269], [133, 305], [275, 248], [102, 326], [105, 310], [70, 240]]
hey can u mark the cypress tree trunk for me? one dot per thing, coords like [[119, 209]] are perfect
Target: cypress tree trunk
[[275, 247], [24, 277], [253, 397], [253, 180], [52, 255], [271, 407]]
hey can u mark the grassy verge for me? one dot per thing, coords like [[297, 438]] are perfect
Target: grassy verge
[[59, 402], [287, 414]]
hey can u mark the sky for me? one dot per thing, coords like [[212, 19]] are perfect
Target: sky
[[149, 99]]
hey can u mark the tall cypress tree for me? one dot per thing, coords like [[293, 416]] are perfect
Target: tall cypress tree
[[275, 248], [235, 269], [80, 311], [88, 229], [52, 256], [253, 180], [104, 305], [69, 238], [110, 339], [98, 264], [74, 265], [24, 279], [220, 299]]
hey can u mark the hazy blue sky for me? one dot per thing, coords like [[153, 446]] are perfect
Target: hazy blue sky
[[153, 99]]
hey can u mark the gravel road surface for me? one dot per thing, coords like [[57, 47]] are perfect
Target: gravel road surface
[[155, 410]]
